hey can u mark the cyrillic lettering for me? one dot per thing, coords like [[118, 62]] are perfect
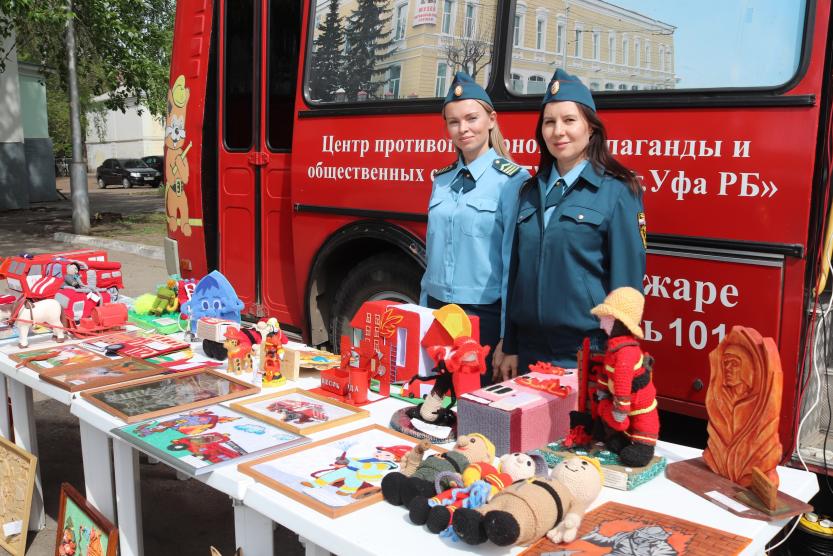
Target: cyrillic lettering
[[682, 289], [705, 150], [613, 146], [651, 335], [420, 146], [656, 286], [419, 174], [655, 147], [672, 147], [327, 147], [699, 289], [681, 185], [689, 148], [517, 146], [729, 290], [627, 147], [658, 180], [532, 146], [747, 188], [741, 149], [726, 179], [699, 186]]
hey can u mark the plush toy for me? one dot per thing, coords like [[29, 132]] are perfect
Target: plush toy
[[627, 396], [527, 510], [481, 481], [400, 489], [166, 300]]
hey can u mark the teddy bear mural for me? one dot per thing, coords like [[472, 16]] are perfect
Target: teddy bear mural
[[176, 161]]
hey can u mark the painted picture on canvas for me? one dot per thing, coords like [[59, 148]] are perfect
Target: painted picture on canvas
[[299, 410]]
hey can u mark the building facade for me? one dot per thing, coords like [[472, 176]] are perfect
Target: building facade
[[133, 133]]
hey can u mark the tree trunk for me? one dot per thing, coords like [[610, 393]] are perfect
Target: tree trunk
[[78, 172]]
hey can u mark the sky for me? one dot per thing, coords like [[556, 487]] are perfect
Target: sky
[[742, 43]]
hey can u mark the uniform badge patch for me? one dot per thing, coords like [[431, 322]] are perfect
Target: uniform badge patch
[[504, 166], [555, 86], [445, 169], [643, 229], [458, 90]]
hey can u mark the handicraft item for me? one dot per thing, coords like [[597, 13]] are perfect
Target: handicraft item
[[65, 357], [81, 528], [17, 482], [300, 411], [162, 395], [96, 376]]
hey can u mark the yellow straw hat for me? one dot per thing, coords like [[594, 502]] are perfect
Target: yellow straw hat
[[625, 305]]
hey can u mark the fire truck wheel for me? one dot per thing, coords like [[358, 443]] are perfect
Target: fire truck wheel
[[385, 276]]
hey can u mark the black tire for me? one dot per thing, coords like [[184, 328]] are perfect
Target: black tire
[[101, 183], [125, 183], [384, 276]]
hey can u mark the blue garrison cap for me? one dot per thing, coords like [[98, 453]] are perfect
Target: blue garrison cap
[[464, 87], [564, 86]]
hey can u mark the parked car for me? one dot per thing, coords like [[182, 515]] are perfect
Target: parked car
[[154, 161], [127, 172]]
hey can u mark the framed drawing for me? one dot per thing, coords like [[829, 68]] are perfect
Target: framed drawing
[[17, 482], [300, 411], [81, 528], [201, 440], [615, 528], [320, 474], [161, 395], [101, 375], [64, 356], [99, 343], [151, 345]]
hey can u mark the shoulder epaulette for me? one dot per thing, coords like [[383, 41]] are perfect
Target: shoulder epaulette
[[445, 169], [506, 167]]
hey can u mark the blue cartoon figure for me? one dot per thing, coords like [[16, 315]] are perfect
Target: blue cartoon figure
[[352, 475], [213, 297]]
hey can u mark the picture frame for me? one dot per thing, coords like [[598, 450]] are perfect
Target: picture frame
[[17, 484], [95, 376], [82, 527], [65, 356], [202, 440], [162, 395], [151, 345], [99, 343], [300, 411], [317, 475]]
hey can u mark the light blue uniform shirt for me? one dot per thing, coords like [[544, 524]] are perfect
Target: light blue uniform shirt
[[569, 179], [470, 234]]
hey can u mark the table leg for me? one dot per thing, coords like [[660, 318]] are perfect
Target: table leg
[[98, 469], [128, 498], [252, 531], [25, 436], [5, 425], [313, 549]]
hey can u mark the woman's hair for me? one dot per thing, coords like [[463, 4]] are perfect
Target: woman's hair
[[495, 136], [597, 152], [619, 329]]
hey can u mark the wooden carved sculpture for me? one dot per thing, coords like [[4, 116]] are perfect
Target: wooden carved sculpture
[[744, 403]]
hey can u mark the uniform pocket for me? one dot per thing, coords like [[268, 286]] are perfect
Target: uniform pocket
[[582, 215], [483, 218]]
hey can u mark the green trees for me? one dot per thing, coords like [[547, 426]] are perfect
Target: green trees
[[327, 68], [368, 42]]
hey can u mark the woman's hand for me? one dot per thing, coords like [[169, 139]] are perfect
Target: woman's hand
[[497, 358], [508, 368]]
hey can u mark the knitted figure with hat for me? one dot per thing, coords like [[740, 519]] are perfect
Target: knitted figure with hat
[[352, 475], [527, 510], [399, 489], [480, 482], [628, 406]]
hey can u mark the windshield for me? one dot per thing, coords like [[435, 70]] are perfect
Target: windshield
[[134, 163]]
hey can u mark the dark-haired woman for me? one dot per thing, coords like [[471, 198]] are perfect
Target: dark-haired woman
[[580, 234]]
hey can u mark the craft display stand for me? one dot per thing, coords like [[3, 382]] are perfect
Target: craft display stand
[[371, 531]]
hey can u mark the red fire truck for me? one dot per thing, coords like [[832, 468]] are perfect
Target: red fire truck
[[308, 188]]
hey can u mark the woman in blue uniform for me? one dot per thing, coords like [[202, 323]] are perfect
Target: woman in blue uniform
[[580, 234], [471, 215]]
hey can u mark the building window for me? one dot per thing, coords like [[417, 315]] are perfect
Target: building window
[[442, 76], [611, 48], [540, 33], [623, 87], [577, 49], [625, 54], [535, 85], [516, 83], [448, 15], [647, 55], [597, 45], [608, 86], [469, 27], [516, 33], [662, 58], [560, 32], [394, 73], [401, 22], [634, 87], [594, 86], [637, 53]]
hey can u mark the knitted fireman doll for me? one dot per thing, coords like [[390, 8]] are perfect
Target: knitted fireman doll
[[527, 510], [436, 512], [399, 489], [628, 406]]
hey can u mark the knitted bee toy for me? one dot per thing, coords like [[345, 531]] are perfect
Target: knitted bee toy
[[527, 510], [399, 489]]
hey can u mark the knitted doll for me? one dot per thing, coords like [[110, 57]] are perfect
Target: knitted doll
[[628, 405], [481, 481], [527, 510], [399, 489]]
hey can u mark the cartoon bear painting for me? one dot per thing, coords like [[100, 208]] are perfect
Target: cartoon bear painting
[[176, 161]]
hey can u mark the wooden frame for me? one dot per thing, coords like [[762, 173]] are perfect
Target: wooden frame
[[13, 460], [95, 359], [245, 389], [372, 496], [244, 406], [64, 378], [68, 493]]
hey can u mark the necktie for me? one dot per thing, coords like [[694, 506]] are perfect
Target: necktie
[[463, 182], [555, 194]]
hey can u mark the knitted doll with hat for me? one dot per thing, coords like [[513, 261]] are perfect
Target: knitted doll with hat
[[628, 405], [481, 481], [527, 510], [399, 489]]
